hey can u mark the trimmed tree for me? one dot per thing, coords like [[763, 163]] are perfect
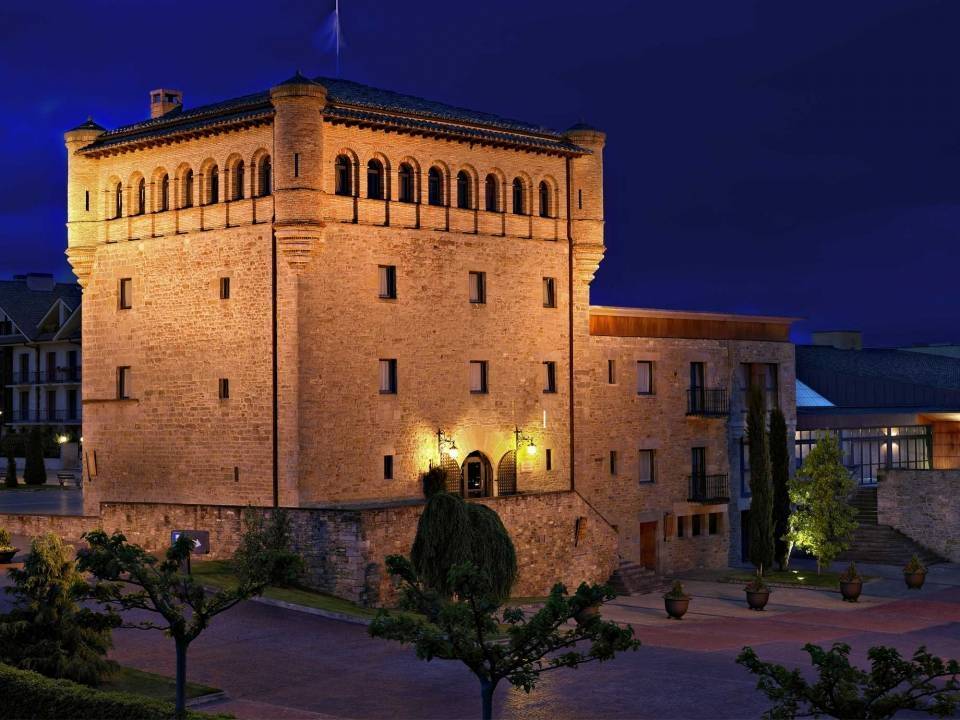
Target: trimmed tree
[[34, 471], [824, 520], [761, 490], [780, 475], [48, 631]]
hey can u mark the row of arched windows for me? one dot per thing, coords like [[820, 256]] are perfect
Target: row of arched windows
[[464, 198], [262, 185]]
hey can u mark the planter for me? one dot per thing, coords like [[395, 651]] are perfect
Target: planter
[[676, 607], [851, 589], [587, 614], [914, 580], [6, 556], [757, 599]]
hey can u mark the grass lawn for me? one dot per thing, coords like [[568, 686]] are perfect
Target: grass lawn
[[790, 578], [159, 687]]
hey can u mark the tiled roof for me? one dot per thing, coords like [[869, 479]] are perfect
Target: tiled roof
[[27, 307], [349, 100]]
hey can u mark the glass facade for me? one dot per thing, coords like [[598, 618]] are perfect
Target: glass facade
[[867, 451]]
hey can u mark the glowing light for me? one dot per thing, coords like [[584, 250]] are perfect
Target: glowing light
[[531, 448], [62, 439], [454, 451], [799, 577]]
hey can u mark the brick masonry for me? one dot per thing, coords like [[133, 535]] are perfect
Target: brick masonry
[[924, 505]]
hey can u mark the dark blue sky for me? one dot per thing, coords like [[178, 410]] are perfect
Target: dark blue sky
[[763, 157]]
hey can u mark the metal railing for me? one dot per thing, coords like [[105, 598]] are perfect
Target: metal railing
[[50, 376], [31, 416], [708, 402], [708, 488]]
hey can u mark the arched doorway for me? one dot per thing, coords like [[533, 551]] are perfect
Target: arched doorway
[[477, 476], [507, 474]]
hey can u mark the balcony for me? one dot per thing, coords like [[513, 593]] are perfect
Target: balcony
[[707, 402], [708, 488], [50, 376], [46, 417]]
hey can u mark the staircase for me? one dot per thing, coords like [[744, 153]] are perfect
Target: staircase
[[633, 579], [880, 544]]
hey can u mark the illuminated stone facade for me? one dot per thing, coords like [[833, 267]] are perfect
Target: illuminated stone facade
[[301, 198]]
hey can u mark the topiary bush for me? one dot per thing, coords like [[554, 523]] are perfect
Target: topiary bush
[[35, 471], [434, 481]]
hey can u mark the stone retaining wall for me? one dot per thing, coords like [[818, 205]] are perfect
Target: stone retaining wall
[[558, 537], [924, 505]]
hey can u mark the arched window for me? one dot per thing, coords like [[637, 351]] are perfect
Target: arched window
[[435, 187], [238, 181], [213, 191], [406, 183], [492, 188], [188, 189], [518, 196], [544, 199], [342, 171], [375, 179], [463, 190], [265, 187], [141, 197], [164, 193], [118, 200]]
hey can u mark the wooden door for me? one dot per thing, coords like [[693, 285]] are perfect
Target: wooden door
[[648, 545]]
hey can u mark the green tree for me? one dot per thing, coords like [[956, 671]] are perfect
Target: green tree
[[761, 490], [48, 631], [264, 549], [824, 520], [452, 532], [10, 450], [469, 627], [780, 474], [129, 578], [926, 684], [34, 472]]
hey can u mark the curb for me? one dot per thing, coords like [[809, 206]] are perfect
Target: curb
[[206, 699], [329, 614]]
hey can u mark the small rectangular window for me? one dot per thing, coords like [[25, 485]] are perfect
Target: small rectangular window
[[224, 288], [611, 372], [580, 199], [648, 466], [681, 523], [126, 293], [236, 474], [86, 200], [478, 287], [224, 388], [388, 377], [713, 523], [549, 292], [550, 377], [123, 382], [388, 467], [644, 377], [694, 525], [613, 462], [478, 376], [549, 459], [388, 282], [296, 164]]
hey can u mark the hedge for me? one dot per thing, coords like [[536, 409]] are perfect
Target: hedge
[[26, 695]]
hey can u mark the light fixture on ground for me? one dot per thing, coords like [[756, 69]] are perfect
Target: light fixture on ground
[[446, 444], [523, 439]]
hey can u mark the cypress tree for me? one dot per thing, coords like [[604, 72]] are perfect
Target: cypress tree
[[34, 472], [10, 479], [761, 504], [780, 474]]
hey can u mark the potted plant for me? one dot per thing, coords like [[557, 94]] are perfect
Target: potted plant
[[676, 601], [7, 551], [758, 593], [851, 584], [914, 573]]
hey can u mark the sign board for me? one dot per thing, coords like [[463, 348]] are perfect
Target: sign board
[[200, 538]]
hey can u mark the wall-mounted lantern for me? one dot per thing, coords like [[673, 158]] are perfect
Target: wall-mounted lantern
[[523, 439], [446, 444]]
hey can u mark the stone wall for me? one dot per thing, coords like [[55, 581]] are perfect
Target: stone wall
[[69, 527], [924, 505]]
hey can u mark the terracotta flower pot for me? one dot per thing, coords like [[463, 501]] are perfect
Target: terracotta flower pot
[[757, 599], [6, 556], [914, 580], [851, 589], [676, 607], [587, 614]]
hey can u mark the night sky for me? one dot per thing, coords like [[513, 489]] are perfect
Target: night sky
[[788, 158]]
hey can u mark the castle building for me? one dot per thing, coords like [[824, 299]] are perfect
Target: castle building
[[305, 297]]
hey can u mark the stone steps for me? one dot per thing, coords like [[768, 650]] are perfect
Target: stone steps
[[633, 579], [883, 545]]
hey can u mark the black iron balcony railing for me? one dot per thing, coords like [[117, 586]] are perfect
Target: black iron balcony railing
[[708, 402], [709, 488], [50, 376], [47, 416]]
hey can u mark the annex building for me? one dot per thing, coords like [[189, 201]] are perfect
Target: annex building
[[305, 297]]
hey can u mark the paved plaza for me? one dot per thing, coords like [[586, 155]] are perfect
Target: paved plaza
[[49, 499]]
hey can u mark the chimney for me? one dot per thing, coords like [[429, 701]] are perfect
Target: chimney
[[163, 101], [839, 339]]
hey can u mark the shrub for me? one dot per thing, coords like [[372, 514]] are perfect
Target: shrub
[[434, 481], [850, 574], [264, 549], [915, 566], [30, 695], [6, 542], [35, 472], [676, 592]]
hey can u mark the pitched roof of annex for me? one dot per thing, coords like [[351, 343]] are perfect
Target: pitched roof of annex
[[347, 102]]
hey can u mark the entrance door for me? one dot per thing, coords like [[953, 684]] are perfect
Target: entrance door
[[648, 545], [474, 478]]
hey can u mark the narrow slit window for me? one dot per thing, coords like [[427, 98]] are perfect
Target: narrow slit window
[[478, 287], [126, 293], [388, 377], [86, 200], [550, 377], [549, 457], [478, 377], [388, 467], [224, 288], [613, 462], [611, 372], [549, 292], [123, 382], [388, 282], [224, 390], [296, 164]]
